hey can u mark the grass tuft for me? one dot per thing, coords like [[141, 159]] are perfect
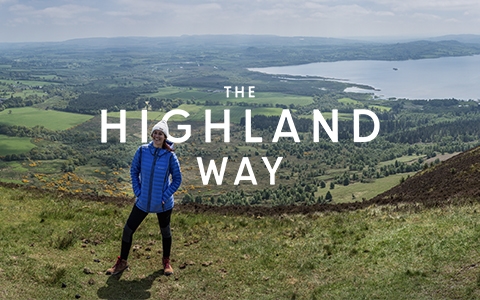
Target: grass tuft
[[64, 241], [48, 274]]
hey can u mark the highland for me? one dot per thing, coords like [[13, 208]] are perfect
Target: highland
[[51, 95], [401, 245], [395, 218]]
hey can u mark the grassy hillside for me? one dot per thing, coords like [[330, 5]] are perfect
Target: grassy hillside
[[379, 252], [30, 117], [14, 145]]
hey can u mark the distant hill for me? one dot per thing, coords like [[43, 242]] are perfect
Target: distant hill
[[238, 40], [455, 178], [462, 38], [247, 50], [221, 40]]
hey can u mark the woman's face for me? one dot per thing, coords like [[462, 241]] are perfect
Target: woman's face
[[158, 138]]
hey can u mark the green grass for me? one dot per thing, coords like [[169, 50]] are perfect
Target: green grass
[[55, 101], [137, 114], [12, 171], [349, 101], [276, 98], [27, 82], [375, 253], [14, 166], [404, 159], [170, 92], [14, 145], [45, 77], [369, 190], [327, 115], [50, 119], [197, 113], [380, 107], [26, 93], [48, 166], [221, 96]]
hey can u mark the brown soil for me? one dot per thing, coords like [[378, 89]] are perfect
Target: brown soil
[[456, 180]]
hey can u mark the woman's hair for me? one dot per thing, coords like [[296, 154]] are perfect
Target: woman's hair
[[167, 146]]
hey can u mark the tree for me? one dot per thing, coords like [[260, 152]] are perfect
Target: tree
[[332, 185], [187, 199], [328, 196]]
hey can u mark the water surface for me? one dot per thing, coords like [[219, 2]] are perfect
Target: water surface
[[438, 78]]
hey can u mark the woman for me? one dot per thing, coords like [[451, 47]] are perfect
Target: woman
[[152, 166]]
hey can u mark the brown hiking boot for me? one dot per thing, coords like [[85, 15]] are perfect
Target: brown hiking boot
[[167, 268], [118, 267]]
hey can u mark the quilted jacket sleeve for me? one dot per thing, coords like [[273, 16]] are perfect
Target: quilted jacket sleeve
[[174, 169], [135, 173]]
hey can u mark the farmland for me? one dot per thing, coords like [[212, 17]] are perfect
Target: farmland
[[50, 122], [393, 218]]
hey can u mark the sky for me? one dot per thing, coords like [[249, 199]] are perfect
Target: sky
[[60, 20]]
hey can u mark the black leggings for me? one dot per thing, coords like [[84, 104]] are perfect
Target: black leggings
[[135, 219]]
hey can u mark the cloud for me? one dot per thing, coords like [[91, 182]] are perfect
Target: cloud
[[65, 11], [330, 18], [20, 8], [430, 5], [149, 7], [426, 17], [71, 12]]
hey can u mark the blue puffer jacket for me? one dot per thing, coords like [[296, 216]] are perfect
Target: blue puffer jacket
[[150, 171]]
